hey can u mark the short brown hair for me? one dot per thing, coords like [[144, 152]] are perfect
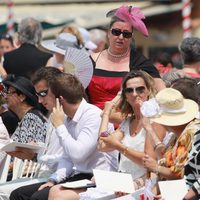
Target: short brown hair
[[67, 86], [45, 73]]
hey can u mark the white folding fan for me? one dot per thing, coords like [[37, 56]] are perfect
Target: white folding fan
[[78, 63]]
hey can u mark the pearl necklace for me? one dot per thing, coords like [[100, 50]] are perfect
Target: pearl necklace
[[117, 56]]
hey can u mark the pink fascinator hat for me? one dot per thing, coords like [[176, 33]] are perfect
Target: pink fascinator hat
[[133, 16]]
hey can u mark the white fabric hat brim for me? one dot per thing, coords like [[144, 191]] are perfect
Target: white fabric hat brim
[[50, 45], [90, 45], [171, 119]]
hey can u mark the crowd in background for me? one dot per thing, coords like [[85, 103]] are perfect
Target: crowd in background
[[136, 115]]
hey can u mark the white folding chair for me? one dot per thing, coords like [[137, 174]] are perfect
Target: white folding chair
[[21, 169], [4, 168]]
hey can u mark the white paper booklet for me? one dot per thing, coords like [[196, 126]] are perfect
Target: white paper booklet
[[79, 184], [114, 181], [173, 189], [13, 145]]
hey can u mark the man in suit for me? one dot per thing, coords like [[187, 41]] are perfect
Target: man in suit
[[25, 60]]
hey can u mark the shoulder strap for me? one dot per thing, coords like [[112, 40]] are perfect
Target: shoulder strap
[[98, 56]]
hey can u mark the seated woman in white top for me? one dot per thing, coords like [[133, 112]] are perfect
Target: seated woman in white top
[[130, 139]]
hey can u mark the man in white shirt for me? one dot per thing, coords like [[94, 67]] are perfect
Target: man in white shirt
[[77, 124]]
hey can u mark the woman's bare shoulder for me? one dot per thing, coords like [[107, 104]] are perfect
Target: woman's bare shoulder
[[95, 55]]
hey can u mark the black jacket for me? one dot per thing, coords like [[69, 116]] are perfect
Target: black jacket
[[25, 60]]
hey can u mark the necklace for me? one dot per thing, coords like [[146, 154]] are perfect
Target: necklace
[[117, 55]]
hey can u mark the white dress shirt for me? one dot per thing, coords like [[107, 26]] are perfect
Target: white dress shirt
[[52, 152], [79, 136]]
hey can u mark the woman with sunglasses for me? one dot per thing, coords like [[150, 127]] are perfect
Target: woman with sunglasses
[[130, 138], [112, 64], [22, 100]]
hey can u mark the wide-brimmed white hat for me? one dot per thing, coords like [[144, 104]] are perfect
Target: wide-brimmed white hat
[[170, 108], [86, 39], [61, 43]]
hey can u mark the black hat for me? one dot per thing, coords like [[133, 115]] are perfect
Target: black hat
[[23, 85]]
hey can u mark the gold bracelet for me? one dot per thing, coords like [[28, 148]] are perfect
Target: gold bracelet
[[125, 151]]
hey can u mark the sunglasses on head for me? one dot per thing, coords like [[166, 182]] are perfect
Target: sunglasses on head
[[138, 90], [42, 93], [118, 32]]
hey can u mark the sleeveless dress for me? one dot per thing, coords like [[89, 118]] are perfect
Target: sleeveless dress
[[137, 143], [105, 84]]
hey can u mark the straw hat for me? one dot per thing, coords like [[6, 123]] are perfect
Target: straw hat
[[62, 42], [170, 108]]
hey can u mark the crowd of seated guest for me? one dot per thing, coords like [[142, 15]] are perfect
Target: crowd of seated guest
[[131, 124]]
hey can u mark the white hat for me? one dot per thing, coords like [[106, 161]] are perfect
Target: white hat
[[62, 42], [86, 39], [170, 108]]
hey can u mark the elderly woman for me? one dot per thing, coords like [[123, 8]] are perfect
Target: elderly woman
[[26, 59], [177, 115], [130, 138], [112, 64], [22, 100]]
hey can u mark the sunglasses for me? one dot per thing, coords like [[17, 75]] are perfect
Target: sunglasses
[[138, 90], [118, 32], [42, 93]]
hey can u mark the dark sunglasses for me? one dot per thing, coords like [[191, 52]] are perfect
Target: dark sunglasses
[[42, 93], [117, 32], [138, 90]]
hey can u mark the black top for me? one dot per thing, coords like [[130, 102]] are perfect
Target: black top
[[25, 60], [137, 61], [10, 121], [140, 62]]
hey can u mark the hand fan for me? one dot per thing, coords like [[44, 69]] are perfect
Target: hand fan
[[78, 63]]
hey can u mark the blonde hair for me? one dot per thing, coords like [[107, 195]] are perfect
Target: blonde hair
[[73, 30]]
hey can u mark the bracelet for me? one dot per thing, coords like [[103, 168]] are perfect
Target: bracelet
[[156, 145], [125, 151], [157, 171]]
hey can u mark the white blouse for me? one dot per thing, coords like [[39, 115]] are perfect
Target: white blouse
[[137, 143]]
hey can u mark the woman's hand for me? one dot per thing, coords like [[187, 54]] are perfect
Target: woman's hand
[[190, 195], [111, 141], [150, 163], [137, 111], [57, 116]]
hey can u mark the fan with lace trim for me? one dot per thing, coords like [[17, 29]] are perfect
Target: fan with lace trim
[[78, 63]]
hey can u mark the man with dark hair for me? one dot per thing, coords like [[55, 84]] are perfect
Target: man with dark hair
[[26, 59], [77, 125]]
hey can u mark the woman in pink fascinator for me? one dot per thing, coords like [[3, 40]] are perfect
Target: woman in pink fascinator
[[121, 56]]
